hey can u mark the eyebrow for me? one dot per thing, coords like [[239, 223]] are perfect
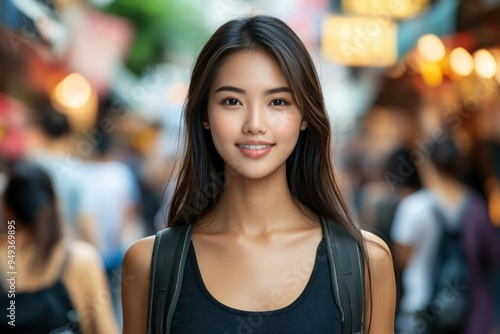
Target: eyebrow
[[242, 91]]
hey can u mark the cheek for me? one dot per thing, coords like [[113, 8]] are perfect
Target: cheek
[[287, 125], [222, 126]]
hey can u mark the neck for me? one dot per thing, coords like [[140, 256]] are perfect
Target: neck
[[257, 207], [448, 186]]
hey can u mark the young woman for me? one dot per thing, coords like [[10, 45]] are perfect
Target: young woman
[[255, 181], [59, 287]]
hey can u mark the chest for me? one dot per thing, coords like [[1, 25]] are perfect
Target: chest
[[298, 300], [258, 278]]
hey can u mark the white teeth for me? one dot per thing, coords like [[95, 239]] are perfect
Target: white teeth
[[255, 147]]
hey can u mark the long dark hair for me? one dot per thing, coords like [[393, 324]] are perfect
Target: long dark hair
[[310, 172], [30, 196]]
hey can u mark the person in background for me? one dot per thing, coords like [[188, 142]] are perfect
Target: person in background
[[416, 230], [396, 187], [482, 247], [63, 169], [108, 211], [60, 286]]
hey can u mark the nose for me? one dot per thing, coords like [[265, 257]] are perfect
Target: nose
[[255, 121]]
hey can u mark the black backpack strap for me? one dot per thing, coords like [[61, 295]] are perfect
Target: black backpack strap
[[347, 275], [443, 221], [167, 268]]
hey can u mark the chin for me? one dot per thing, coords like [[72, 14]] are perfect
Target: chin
[[250, 171]]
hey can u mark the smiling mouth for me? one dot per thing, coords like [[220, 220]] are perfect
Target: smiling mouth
[[255, 151], [254, 147]]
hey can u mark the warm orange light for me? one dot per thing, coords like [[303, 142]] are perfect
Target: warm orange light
[[359, 41], [461, 62], [431, 48], [396, 9], [74, 91], [492, 187], [431, 74], [75, 97], [485, 64]]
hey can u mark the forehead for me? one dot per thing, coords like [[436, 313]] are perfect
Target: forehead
[[250, 69]]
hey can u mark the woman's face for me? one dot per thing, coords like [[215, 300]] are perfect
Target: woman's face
[[252, 118]]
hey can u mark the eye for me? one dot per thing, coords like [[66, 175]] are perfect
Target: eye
[[279, 103], [231, 102]]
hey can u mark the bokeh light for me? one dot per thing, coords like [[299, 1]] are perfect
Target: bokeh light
[[461, 62], [485, 64], [431, 48], [431, 74], [74, 91]]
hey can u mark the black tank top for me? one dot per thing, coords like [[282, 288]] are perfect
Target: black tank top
[[314, 311], [48, 310]]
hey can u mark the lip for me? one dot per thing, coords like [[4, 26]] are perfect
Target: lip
[[255, 142], [255, 152]]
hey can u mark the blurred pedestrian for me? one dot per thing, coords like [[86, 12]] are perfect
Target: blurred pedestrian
[[482, 245], [109, 211], [59, 286], [419, 223], [56, 160]]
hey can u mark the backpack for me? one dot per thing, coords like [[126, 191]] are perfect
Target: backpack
[[345, 260], [448, 307]]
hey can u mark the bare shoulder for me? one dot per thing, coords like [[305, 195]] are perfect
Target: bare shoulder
[[136, 271], [138, 256], [85, 267], [380, 285], [136, 267], [376, 247], [84, 252], [84, 258], [87, 285]]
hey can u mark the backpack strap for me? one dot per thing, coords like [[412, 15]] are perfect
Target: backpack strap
[[347, 274], [167, 268], [443, 221]]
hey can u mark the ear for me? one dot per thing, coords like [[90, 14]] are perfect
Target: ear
[[206, 125], [303, 125]]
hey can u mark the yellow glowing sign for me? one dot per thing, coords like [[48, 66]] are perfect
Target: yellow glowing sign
[[396, 9], [360, 41]]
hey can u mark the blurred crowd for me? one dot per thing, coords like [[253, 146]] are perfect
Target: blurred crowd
[[105, 190], [426, 161]]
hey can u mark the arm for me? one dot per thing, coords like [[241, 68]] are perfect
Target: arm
[[88, 287], [409, 226], [380, 297], [402, 255], [86, 230], [136, 271]]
